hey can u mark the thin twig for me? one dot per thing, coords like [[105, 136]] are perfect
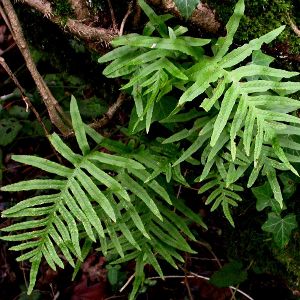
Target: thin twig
[[110, 113], [186, 282], [26, 100], [208, 247], [23, 95], [193, 275], [294, 26], [127, 283], [121, 30], [57, 116], [113, 18], [8, 48]]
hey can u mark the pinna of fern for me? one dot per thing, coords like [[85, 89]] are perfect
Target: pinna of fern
[[100, 198]]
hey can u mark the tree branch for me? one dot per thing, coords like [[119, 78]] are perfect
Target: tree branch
[[110, 113], [80, 8], [75, 27], [203, 16], [56, 114]]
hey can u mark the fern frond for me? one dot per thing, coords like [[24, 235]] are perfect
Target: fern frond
[[100, 197]]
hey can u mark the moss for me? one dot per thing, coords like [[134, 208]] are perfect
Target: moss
[[290, 258], [262, 16], [63, 8]]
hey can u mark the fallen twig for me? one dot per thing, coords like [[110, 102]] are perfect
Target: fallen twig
[[110, 113]]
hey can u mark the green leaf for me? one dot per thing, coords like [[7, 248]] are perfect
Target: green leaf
[[231, 274], [155, 20], [223, 43], [272, 178], [186, 7], [95, 193], [281, 228], [227, 104], [262, 59], [9, 129], [238, 55], [116, 160], [290, 183], [197, 144], [140, 192], [43, 164], [35, 184], [33, 273], [264, 198], [78, 127]]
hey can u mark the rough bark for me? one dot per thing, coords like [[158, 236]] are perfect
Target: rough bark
[[203, 16]]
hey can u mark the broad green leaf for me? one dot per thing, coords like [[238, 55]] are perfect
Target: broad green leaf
[[264, 198], [137, 40], [186, 7], [254, 70], [256, 86], [9, 129], [290, 183], [281, 228], [231, 274], [262, 59], [201, 84]]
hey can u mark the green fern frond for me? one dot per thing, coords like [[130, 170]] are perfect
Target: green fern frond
[[101, 197]]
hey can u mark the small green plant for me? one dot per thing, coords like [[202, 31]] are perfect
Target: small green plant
[[99, 198], [245, 126], [232, 118]]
